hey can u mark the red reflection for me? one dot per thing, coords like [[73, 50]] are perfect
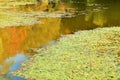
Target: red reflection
[[11, 39], [17, 36]]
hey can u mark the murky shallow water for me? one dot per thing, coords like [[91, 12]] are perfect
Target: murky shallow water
[[17, 43]]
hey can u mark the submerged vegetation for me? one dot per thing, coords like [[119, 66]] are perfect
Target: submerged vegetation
[[85, 55]]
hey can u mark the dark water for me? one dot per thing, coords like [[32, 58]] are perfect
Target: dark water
[[17, 44]]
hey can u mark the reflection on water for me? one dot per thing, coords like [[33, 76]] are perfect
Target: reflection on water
[[12, 64], [98, 14], [89, 14], [13, 40]]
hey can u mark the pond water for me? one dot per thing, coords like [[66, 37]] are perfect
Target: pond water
[[19, 42]]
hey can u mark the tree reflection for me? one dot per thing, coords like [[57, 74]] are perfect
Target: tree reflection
[[14, 40], [89, 14], [40, 34]]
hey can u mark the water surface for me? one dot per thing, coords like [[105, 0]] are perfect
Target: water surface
[[18, 43]]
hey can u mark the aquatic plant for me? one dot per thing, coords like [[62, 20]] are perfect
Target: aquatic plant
[[85, 55], [9, 18]]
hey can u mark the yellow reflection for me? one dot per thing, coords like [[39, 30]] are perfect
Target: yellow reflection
[[89, 15], [40, 34], [1, 46], [68, 31], [99, 18], [5, 67], [14, 40], [96, 16], [17, 39]]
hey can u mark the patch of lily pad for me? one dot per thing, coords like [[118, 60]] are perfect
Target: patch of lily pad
[[85, 55]]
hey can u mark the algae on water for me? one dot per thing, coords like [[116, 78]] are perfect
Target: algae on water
[[16, 19], [9, 18], [85, 55]]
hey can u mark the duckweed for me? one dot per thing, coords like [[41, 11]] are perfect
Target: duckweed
[[8, 18], [80, 56]]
